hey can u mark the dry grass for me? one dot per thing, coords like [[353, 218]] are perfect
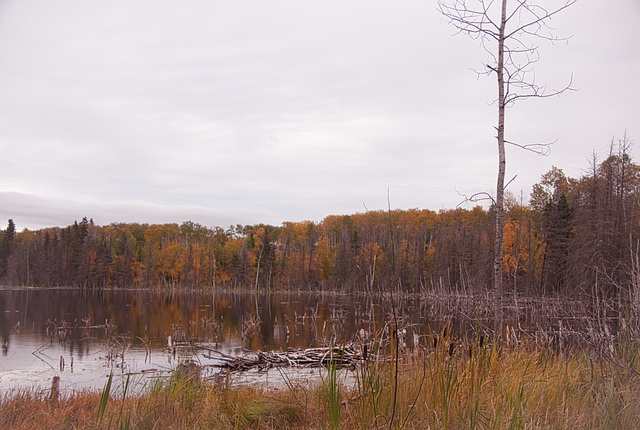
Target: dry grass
[[176, 404], [485, 389], [496, 389]]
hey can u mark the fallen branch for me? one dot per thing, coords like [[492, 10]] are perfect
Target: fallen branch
[[347, 356]]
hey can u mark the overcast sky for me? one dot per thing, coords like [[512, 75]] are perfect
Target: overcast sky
[[243, 112]]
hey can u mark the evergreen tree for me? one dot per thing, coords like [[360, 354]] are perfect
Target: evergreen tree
[[6, 246], [559, 218]]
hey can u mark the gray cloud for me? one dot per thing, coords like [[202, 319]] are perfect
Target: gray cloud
[[43, 212]]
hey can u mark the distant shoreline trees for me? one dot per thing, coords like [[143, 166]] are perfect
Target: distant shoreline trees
[[576, 236]]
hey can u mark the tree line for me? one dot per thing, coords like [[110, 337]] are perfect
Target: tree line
[[573, 236]]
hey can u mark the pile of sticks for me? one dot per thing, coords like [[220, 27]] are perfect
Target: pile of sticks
[[341, 357]]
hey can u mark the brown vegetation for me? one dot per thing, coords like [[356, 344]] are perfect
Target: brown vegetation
[[470, 386]]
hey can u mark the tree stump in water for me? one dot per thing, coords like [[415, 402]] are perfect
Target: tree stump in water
[[189, 370], [55, 389]]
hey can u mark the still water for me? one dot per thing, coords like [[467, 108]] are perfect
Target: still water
[[83, 336]]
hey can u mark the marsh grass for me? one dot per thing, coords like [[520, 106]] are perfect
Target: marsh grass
[[467, 386], [331, 389]]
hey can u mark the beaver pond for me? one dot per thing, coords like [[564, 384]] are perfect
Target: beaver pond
[[82, 336]]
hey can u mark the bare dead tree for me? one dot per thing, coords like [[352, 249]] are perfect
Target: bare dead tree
[[509, 32]]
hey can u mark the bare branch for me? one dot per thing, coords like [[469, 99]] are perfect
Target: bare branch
[[476, 23], [536, 91], [475, 198], [542, 149], [540, 20], [510, 181], [474, 18]]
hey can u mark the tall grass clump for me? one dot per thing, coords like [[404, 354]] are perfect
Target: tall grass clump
[[104, 400], [122, 421], [331, 389]]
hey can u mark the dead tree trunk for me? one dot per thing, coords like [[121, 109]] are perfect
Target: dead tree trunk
[[502, 167]]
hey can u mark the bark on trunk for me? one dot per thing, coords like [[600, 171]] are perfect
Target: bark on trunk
[[502, 163]]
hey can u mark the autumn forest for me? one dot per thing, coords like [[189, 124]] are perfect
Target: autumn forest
[[571, 236]]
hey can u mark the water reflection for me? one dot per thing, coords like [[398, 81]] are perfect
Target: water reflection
[[266, 321], [129, 331], [4, 328]]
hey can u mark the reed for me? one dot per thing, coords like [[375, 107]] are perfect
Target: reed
[[104, 400], [331, 389]]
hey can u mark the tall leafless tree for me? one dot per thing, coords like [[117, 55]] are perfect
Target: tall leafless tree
[[509, 32]]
